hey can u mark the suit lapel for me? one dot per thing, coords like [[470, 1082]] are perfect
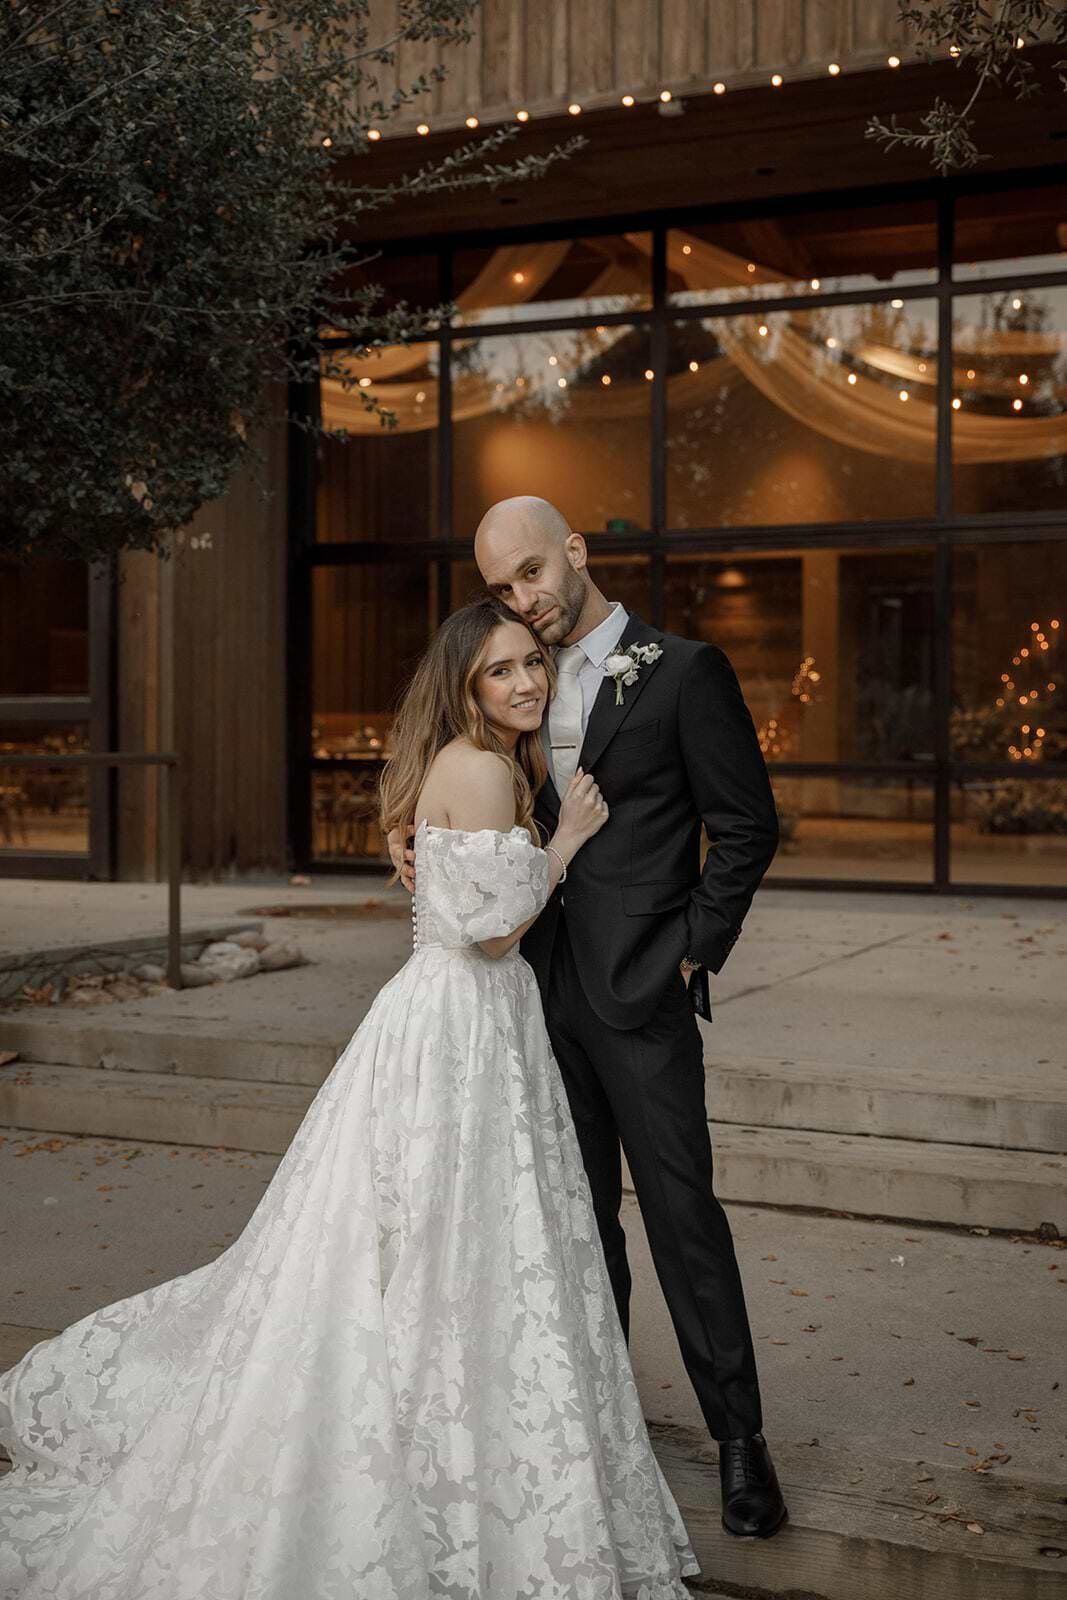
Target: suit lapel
[[606, 718], [549, 795]]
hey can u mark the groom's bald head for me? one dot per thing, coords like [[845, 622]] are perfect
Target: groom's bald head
[[530, 557]]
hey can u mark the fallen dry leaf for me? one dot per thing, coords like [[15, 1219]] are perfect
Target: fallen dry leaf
[[975, 1527]]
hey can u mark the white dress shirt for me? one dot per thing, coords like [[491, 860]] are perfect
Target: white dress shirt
[[597, 644]]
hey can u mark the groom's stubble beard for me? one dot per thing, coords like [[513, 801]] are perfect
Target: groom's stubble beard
[[570, 599]]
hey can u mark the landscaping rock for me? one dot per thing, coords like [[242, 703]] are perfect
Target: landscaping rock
[[197, 977], [276, 957], [221, 947], [249, 939], [150, 972], [239, 964]]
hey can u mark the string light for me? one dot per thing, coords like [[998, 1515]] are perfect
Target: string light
[[1020, 42], [687, 249], [903, 394], [957, 402], [649, 374], [694, 366], [472, 122], [606, 380], [763, 330], [751, 267], [561, 383], [893, 61], [852, 378], [1016, 305], [831, 343], [1024, 378], [666, 96], [423, 128], [816, 283], [898, 305], [327, 143], [420, 396], [575, 109], [518, 277], [971, 373], [374, 134], [776, 80], [719, 88], [364, 383], [954, 51], [1016, 405], [553, 361], [628, 100], [834, 68]]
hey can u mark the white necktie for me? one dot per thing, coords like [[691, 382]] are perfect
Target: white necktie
[[565, 716]]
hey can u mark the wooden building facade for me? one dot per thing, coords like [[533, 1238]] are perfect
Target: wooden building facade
[[802, 397]]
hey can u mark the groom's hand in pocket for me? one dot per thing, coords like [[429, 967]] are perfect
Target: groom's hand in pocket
[[403, 859]]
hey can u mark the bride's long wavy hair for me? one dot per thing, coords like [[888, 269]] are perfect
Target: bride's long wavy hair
[[439, 705]]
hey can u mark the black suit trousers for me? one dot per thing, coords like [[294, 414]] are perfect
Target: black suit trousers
[[645, 1087]]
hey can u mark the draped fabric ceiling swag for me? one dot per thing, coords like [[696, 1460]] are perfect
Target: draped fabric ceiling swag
[[846, 387]]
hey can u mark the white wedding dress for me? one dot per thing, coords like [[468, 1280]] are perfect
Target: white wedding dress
[[406, 1379]]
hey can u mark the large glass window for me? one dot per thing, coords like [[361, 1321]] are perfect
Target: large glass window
[[44, 628], [822, 252], [596, 276], [1009, 416], [43, 809], [564, 415], [833, 648], [815, 416], [776, 481]]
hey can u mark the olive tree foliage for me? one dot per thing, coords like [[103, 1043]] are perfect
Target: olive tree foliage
[[988, 43], [172, 178]]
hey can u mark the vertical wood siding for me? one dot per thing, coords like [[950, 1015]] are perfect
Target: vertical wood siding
[[544, 53]]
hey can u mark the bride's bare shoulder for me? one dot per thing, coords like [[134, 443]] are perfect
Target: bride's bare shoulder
[[474, 787]]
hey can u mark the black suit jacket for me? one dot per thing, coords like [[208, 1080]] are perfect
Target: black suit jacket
[[679, 753]]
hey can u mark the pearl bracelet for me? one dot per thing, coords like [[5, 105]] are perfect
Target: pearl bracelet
[[559, 858]]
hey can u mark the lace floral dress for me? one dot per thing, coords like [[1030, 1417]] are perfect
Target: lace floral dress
[[406, 1379]]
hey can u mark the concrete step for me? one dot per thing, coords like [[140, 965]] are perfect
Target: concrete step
[[908, 1180], [199, 1047], [912, 1180], [863, 1529], [1022, 1110], [156, 1106]]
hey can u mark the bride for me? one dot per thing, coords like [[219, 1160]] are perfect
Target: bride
[[406, 1379]]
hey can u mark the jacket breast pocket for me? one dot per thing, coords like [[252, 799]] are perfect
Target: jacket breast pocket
[[627, 738], [652, 899]]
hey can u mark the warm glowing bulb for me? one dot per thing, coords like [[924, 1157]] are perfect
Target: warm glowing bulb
[[1016, 305], [971, 373], [420, 396], [763, 330], [833, 69], [1020, 42], [776, 80], [1024, 378], [852, 378], [374, 134], [553, 361], [605, 380], [954, 51], [522, 116], [364, 383], [649, 374], [518, 277], [423, 128], [751, 267], [561, 383], [1035, 628], [893, 61], [903, 394], [1016, 405], [628, 100], [694, 366], [816, 283], [719, 88], [687, 249], [575, 109], [472, 122], [831, 343], [666, 96], [896, 304], [957, 402]]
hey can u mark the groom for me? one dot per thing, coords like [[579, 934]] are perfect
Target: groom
[[677, 753]]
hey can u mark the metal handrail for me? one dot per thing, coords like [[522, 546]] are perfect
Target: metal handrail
[[169, 764]]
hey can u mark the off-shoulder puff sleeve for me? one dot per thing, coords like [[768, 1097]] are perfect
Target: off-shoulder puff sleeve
[[480, 885]]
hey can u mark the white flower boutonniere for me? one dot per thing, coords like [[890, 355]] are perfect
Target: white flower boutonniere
[[624, 666]]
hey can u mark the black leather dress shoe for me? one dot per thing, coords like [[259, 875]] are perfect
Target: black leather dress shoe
[[752, 1504]]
